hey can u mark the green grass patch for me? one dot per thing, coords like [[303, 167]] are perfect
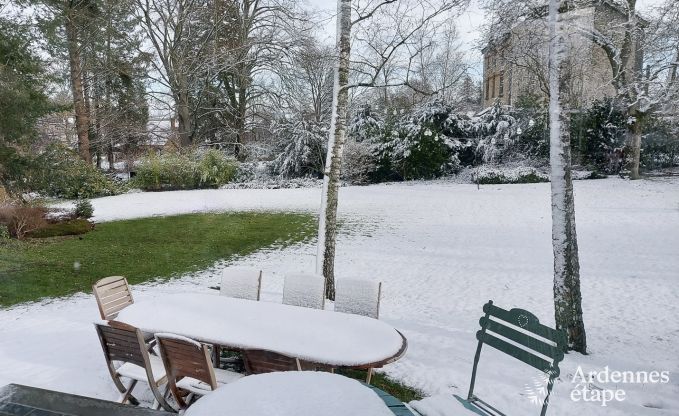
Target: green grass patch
[[73, 227], [140, 249], [382, 382]]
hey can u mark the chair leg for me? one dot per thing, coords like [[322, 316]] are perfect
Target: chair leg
[[160, 399], [369, 375], [125, 396], [216, 355], [156, 404]]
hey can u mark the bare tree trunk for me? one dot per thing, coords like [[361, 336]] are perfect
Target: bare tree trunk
[[81, 116], [634, 140], [184, 117], [110, 157], [567, 297], [327, 224]]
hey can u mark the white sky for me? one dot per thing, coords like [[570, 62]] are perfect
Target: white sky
[[468, 24]]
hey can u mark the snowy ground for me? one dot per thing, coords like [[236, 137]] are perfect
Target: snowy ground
[[442, 250]]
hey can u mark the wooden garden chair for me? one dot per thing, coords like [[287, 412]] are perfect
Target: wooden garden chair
[[124, 344], [241, 283], [359, 297], [306, 290], [263, 361], [189, 368], [529, 338], [113, 295]]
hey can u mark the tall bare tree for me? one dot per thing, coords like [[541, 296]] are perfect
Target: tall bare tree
[[388, 31], [214, 57]]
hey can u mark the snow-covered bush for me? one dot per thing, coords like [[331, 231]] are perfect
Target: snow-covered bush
[[493, 175], [660, 144], [533, 141], [190, 170], [358, 163], [301, 148], [365, 126], [420, 144], [214, 169], [495, 131], [60, 172], [596, 132]]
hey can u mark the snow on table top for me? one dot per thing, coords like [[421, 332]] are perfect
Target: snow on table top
[[309, 334], [292, 393]]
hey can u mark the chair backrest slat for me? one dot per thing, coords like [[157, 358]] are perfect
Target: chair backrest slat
[[241, 283], [262, 361], [552, 351], [518, 353], [112, 295], [360, 297], [306, 290]]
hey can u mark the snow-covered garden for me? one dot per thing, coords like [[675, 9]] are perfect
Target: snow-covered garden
[[442, 250]]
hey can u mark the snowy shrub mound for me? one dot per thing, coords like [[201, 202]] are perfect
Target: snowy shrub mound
[[490, 175]]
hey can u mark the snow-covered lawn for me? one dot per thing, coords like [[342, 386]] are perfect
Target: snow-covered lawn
[[442, 251]]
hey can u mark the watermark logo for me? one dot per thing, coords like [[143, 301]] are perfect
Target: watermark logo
[[605, 386], [600, 387]]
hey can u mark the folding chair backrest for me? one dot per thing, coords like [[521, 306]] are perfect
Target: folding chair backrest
[[122, 342], [360, 297], [184, 357], [113, 295], [533, 343], [241, 283], [307, 290], [262, 361]]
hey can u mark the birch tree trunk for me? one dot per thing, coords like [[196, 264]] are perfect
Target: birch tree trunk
[[327, 222], [567, 297], [82, 121]]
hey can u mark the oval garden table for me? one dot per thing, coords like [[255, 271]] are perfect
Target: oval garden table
[[318, 336]]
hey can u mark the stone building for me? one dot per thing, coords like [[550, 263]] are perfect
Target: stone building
[[515, 62]]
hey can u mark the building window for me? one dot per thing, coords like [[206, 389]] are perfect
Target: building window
[[487, 88], [493, 88], [501, 91]]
